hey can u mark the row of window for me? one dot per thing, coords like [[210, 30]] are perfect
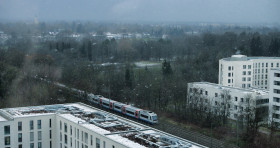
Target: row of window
[[266, 64], [244, 85], [79, 135], [259, 71], [258, 76], [258, 83]]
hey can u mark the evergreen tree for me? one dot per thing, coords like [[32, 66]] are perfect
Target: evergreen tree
[[166, 68], [256, 46], [89, 51], [274, 47]]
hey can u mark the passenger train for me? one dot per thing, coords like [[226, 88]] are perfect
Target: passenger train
[[128, 110]]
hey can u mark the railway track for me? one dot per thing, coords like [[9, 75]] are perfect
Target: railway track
[[168, 128], [191, 135]]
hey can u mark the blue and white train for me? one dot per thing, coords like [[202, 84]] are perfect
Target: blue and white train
[[128, 110]]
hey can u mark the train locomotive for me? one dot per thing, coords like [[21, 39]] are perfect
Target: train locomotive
[[128, 110]]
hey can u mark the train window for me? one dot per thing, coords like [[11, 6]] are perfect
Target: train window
[[144, 116], [117, 107], [129, 112], [106, 104]]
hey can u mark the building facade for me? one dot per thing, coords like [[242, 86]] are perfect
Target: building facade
[[245, 72], [77, 125], [234, 100], [274, 96]]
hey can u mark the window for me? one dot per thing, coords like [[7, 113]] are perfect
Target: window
[[91, 140], [86, 138], [243, 79], [20, 146], [97, 143], [271, 64], [241, 108], [229, 68], [71, 129], [266, 70], [50, 134], [113, 146], [65, 127], [31, 125], [7, 140], [276, 74], [31, 145], [206, 93], [216, 94], [266, 76], [104, 144], [216, 103], [243, 85], [39, 135], [244, 66], [277, 64], [249, 79], [235, 107], [39, 144], [236, 99], [249, 73], [229, 74], [249, 85], [266, 64], [78, 134], [7, 130], [65, 139], [262, 64], [277, 91], [277, 83], [60, 137], [19, 126], [50, 144], [249, 66], [31, 136], [244, 72], [39, 124], [275, 99], [242, 100], [228, 80], [19, 137], [60, 125], [50, 123]]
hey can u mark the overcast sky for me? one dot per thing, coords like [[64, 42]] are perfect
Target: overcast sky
[[227, 11]]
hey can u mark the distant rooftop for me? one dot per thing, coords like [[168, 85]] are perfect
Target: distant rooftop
[[126, 132], [245, 58], [247, 90]]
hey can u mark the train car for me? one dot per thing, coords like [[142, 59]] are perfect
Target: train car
[[128, 110], [119, 107], [148, 116], [132, 111], [96, 99]]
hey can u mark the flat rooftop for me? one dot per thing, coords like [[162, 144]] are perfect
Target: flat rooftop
[[245, 58], [245, 90], [119, 129]]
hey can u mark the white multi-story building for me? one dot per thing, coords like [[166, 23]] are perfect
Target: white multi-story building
[[274, 95], [245, 72], [234, 100], [78, 125]]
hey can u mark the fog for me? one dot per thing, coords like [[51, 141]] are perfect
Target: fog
[[222, 11]]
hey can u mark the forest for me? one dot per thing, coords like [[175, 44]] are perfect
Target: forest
[[82, 56]]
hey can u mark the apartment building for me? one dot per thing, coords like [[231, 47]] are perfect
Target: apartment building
[[236, 100], [245, 72], [77, 125], [274, 96]]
